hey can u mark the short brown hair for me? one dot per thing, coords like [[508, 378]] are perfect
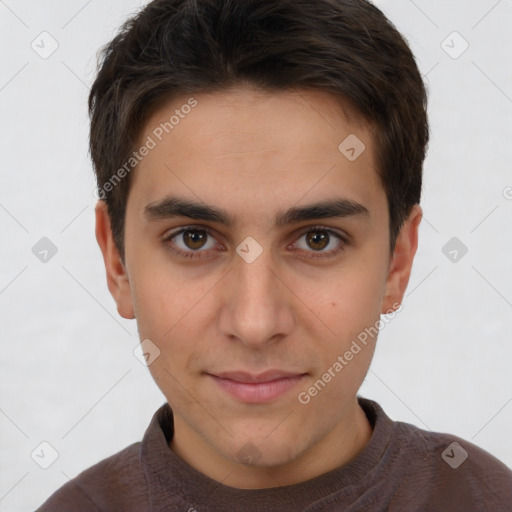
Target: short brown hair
[[344, 47]]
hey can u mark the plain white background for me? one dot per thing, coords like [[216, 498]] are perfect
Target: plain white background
[[69, 376]]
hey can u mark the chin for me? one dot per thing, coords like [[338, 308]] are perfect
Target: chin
[[265, 453]]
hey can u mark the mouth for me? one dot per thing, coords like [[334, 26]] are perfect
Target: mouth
[[256, 388]]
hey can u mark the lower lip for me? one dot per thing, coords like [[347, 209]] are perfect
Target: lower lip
[[257, 393]]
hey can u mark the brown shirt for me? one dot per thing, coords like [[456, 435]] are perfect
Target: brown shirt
[[402, 468]]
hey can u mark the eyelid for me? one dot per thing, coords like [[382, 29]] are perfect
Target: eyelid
[[168, 235], [342, 236], [321, 227]]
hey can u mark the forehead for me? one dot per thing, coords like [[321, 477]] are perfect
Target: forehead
[[254, 152]]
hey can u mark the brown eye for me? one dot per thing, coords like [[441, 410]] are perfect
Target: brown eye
[[194, 239], [190, 242], [317, 240], [321, 242]]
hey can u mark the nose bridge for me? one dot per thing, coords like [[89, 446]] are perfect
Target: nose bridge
[[256, 312], [255, 279]]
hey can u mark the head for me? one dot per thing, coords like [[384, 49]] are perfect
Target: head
[[288, 138]]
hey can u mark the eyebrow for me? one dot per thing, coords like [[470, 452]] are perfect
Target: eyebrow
[[172, 206]]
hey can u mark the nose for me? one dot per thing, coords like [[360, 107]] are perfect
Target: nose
[[258, 307]]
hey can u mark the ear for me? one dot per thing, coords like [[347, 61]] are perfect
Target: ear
[[117, 278], [401, 262]]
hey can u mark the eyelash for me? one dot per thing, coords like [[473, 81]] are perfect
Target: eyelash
[[198, 254]]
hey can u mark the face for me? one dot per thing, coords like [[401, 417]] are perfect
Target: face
[[254, 298]]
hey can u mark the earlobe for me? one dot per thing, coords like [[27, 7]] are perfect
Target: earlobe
[[401, 263], [117, 277]]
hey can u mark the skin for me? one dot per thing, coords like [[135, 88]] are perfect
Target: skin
[[254, 154]]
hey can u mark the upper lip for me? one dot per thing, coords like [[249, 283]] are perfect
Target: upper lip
[[249, 378]]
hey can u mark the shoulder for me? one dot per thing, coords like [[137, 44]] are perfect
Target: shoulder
[[115, 483], [451, 473]]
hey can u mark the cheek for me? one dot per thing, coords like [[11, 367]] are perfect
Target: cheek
[[350, 307], [352, 313], [164, 300], [352, 300], [172, 312]]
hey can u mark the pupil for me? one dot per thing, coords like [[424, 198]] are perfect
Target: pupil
[[196, 238], [318, 237]]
